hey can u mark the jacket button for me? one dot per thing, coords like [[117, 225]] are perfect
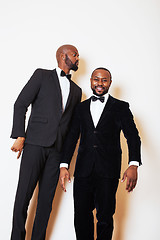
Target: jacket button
[[95, 132]]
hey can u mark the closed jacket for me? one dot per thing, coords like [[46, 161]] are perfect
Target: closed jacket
[[100, 146], [47, 123]]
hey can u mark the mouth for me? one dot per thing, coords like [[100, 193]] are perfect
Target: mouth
[[99, 89]]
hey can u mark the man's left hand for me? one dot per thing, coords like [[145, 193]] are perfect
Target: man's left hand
[[131, 175], [64, 173]]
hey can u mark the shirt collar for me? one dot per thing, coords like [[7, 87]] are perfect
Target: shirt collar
[[58, 70]]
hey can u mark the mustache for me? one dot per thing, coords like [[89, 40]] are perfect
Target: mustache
[[100, 86]]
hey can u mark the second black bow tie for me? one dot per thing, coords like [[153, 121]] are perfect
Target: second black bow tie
[[63, 74], [94, 98]]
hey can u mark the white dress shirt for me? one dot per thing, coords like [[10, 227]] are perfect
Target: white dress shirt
[[96, 109], [65, 87]]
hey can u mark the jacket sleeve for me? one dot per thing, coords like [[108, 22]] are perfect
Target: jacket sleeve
[[71, 139], [25, 98], [131, 134]]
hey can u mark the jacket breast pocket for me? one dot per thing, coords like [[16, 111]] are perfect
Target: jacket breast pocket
[[39, 119]]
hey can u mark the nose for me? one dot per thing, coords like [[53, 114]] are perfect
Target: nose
[[100, 82]]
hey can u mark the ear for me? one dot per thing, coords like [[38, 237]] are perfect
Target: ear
[[62, 56]]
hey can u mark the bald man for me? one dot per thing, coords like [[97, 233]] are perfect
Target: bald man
[[53, 97]]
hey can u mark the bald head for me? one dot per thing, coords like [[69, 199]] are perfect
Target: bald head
[[64, 49], [67, 58]]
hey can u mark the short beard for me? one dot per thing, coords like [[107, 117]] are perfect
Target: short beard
[[99, 95], [69, 63]]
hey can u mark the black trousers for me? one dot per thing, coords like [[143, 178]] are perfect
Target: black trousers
[[90, 193], [37, 164]]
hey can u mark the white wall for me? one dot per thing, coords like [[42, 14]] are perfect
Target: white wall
[[122, 35]]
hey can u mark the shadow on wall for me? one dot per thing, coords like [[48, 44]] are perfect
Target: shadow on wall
[[122, 198], [77, 75], [123, 205], [81, 71]]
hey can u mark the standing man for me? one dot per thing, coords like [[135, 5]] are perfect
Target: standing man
[[53, 97], [99, 121]]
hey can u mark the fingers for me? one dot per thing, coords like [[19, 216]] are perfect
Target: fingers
[[62, 183], [14, 149], [130, 185], [19, 154], [131, 175], [18, 144], [64, 173], [68, 177], [134, 183], [124, 177]]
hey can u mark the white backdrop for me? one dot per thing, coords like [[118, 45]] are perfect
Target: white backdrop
[[122, 35]]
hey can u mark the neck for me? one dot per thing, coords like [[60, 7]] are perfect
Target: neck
[[105, 94], [64, 68]]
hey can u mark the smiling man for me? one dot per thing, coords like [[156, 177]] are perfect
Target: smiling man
[[53, 97], [98, 121]]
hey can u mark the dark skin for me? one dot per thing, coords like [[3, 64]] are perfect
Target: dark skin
[[67, 51], [100, 84], [18, 146], [64, 52]]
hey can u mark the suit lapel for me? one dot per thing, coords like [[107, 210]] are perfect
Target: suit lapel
[[57, 88], [109, 103], [107, 107], [70, 94], [88, 113]]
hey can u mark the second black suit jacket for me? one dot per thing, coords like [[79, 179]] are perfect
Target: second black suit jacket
[[47, 123], [100, 146]]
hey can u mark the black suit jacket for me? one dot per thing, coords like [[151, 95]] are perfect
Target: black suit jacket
[[100, 147], [47, 123]]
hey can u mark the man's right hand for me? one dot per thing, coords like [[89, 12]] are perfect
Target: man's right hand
[[18, 145], [64, 173]]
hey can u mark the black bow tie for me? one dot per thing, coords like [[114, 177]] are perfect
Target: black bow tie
[[94, 98], [63, 74]]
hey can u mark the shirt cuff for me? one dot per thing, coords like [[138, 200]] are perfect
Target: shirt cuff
[[135, 163], [63, 165]]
